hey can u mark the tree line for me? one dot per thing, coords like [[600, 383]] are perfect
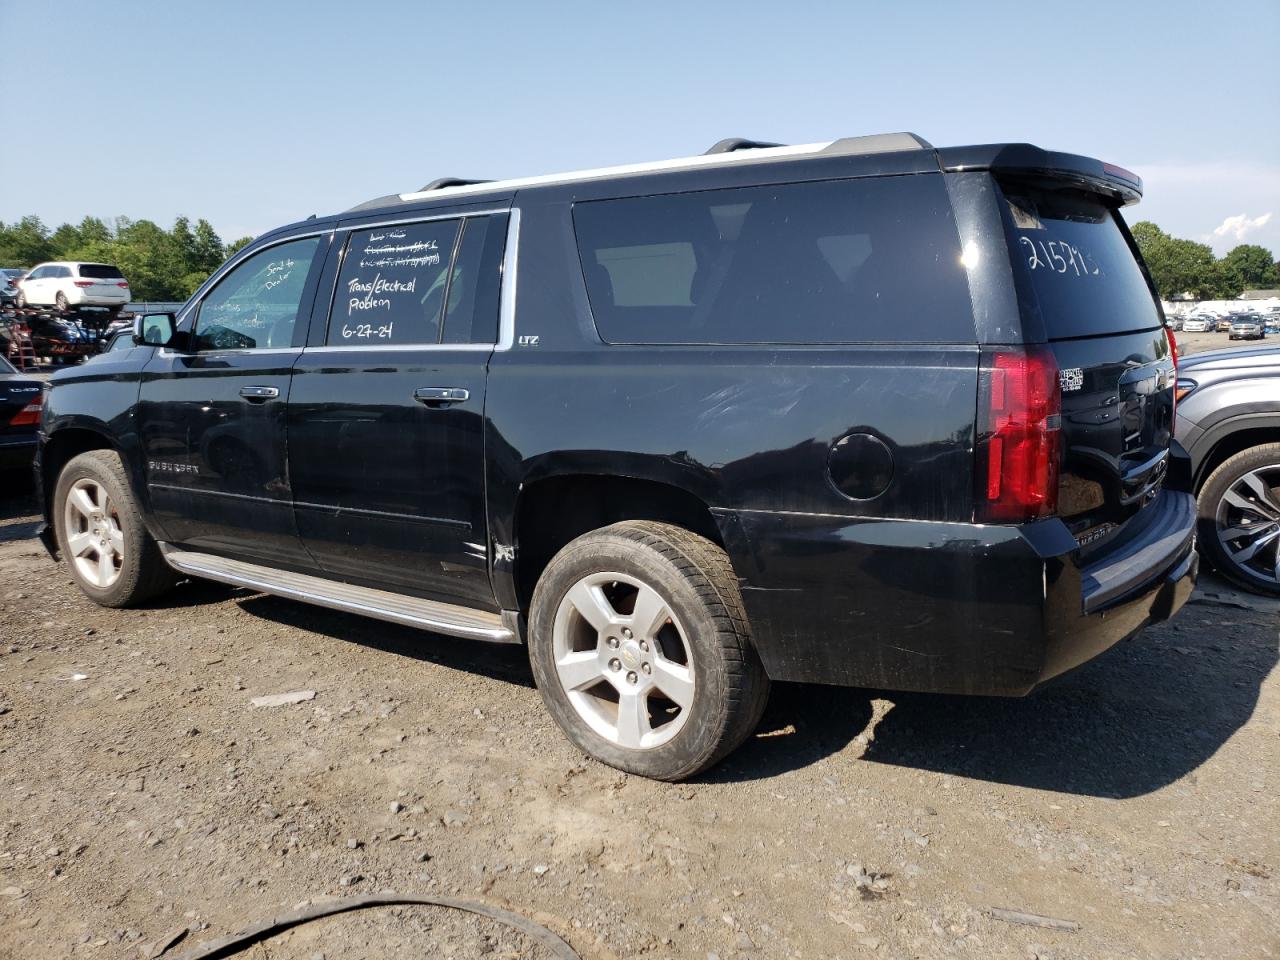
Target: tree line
[[1184, 266], [160, 264]]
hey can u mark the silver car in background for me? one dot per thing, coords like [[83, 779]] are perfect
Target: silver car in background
[[1229, 422]]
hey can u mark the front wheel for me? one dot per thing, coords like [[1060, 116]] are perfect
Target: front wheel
[[100, 532], [642, 652], [1239, 507], [60, 301]]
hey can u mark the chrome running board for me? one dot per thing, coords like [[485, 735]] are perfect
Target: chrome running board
[[382, 604]]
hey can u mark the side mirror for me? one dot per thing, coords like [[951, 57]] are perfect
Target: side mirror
[[154, 329]]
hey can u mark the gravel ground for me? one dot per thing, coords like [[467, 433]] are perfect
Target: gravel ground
[[142, 794]]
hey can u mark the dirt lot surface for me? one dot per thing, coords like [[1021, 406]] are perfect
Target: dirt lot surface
[[141, 794]]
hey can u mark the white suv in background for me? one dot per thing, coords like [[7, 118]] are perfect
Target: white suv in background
[[70, 286]]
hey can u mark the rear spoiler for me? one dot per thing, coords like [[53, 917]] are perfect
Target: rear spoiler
[[1028, 161]]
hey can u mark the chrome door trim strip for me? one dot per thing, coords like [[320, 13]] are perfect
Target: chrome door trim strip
[[309, 505], [351, 224], [431, 615]]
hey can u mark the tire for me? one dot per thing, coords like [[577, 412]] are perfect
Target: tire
[[21, 301], [691, 677], [60, 301], [118, 564], [1242, 497]]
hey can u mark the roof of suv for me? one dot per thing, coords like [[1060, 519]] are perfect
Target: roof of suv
[[1121, 184]]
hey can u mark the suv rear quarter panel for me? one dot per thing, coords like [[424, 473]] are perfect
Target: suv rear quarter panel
[[749, 429]]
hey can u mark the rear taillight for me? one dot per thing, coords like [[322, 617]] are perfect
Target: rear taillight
[[123, 283], [1020, 414], [83, 283], [29, 416]]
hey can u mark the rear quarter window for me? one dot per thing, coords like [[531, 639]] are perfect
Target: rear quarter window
[[846, 261], [1072, 254]]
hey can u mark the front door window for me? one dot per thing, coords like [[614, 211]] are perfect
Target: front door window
[[256, 305]]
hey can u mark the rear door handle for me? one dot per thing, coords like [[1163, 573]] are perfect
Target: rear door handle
[[440, 396], [259, 394]]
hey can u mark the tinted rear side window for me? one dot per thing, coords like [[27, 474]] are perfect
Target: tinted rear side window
[[99, 271], [1073, 254], [842, 261]]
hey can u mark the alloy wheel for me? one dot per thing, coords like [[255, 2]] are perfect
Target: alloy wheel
[[95, 538], [1248, 524], [623, 660]]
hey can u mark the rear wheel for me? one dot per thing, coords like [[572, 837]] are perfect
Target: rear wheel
[[1240, 518], [60, 301], [100, 532], [641, 650]]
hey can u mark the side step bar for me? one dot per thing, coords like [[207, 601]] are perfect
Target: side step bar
[[382, 604]]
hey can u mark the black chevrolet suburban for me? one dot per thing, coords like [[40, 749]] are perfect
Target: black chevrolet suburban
[[864, 412]]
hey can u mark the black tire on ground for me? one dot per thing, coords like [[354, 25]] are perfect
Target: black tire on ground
[[60, 301], [694, 578], [143, 571], [21, 301], [1219, 483]]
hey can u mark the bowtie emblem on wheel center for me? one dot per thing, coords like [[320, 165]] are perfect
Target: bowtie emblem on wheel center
[[630, 654]]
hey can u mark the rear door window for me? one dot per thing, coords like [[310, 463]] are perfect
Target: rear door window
[[393, 284], [1072, 252], [435, 282], [847, 261]]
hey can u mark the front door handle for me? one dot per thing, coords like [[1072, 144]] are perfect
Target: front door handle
[[440, 396], [259, 394]]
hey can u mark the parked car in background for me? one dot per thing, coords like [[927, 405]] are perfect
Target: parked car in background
[[120, 339], [1175, 322], [1247, 328], [1197, 324], [9, 277], [610, 414], [1223, 324], [21, 397], [1229, 423], [66, 286], [59, 339]]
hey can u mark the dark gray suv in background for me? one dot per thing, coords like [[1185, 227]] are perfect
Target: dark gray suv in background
[[1229, 422]]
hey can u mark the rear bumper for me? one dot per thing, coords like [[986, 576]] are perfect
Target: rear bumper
[[949, 607]]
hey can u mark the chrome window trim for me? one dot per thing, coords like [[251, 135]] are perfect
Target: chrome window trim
[[456, 215], [234, 352], [403, 348], [506, 294]]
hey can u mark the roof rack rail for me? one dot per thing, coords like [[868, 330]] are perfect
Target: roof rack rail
[[730, 144], [439, 183]]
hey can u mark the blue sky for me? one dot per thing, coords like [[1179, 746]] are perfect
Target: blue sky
[[255, 114]]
